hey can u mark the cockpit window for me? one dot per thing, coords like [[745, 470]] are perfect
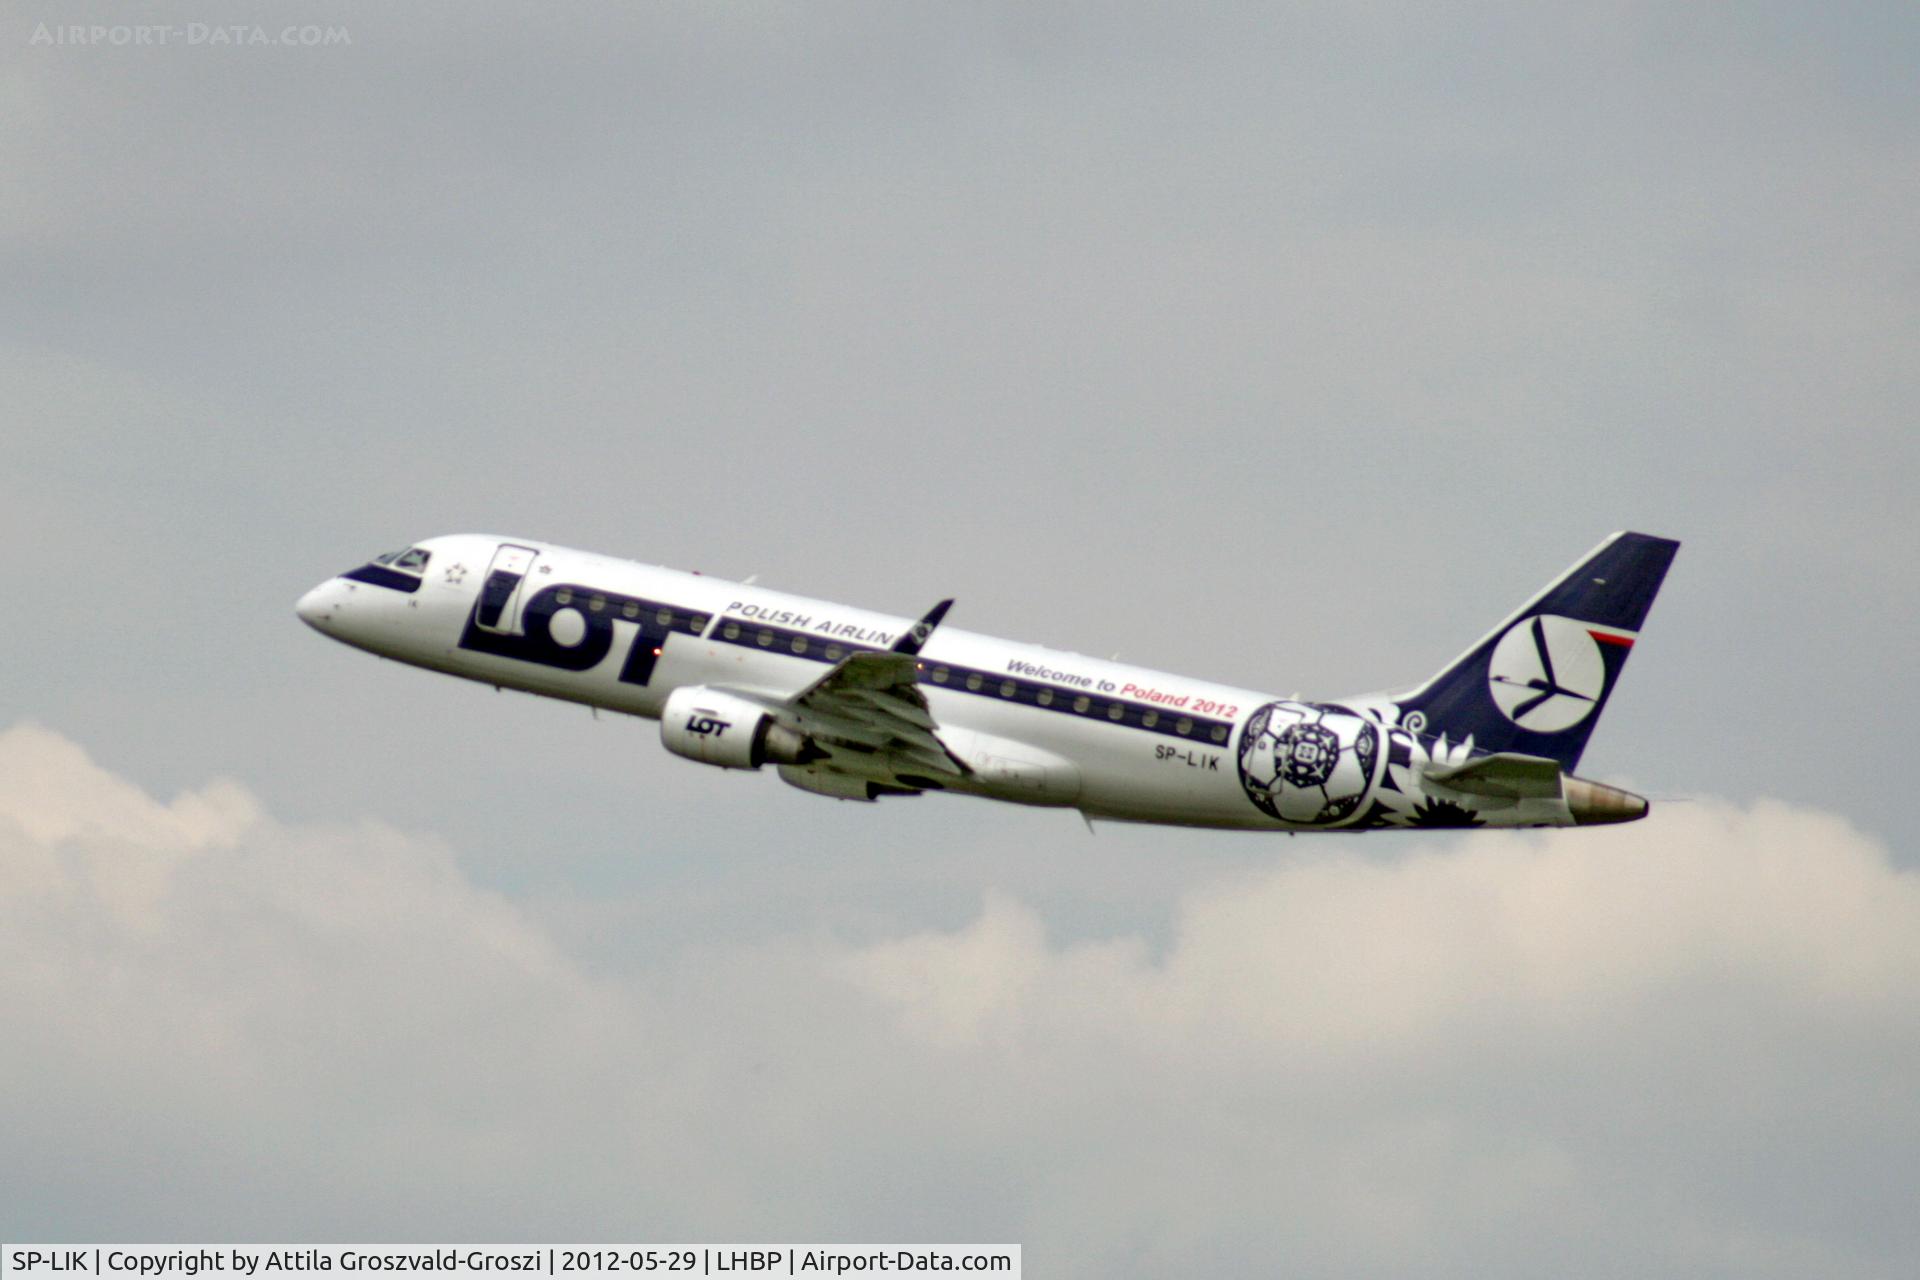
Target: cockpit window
[[413, 559]]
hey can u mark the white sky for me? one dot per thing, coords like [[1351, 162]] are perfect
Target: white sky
[[1291, 349]]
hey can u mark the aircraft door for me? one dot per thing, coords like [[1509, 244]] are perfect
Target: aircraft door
[[500, 594]]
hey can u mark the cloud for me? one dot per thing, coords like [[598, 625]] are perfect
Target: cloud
[[1684, 1041], [1681, 1047]]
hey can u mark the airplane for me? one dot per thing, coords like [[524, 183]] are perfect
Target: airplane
[[857, 705]]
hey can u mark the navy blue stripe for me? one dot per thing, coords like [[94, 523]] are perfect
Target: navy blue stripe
[[1063, 699], [595, 602], [381, 576]]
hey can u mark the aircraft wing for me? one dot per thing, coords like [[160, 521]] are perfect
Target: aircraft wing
[[870, 717], [871, 704]]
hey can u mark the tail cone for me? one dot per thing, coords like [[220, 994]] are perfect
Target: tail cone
[[1593, 804]]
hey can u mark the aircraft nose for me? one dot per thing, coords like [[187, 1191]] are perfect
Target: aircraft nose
[[316, 607]]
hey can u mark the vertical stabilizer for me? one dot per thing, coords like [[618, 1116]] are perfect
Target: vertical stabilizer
[[1538, 682]]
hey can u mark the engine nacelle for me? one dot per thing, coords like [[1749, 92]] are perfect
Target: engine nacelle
[[720, 728]]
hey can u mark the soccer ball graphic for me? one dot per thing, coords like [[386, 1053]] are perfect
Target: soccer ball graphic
[[1310, 763]]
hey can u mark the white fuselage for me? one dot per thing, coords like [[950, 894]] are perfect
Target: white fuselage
[[1034, 725]]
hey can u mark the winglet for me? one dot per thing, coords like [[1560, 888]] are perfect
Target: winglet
[[916, 635]]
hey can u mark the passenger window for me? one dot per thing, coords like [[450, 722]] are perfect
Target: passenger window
[[1081, 703], [834, 652], [1184, 727], [974, 682], [597, 603], [1006, 688], [765, 638], [1116, 711], [940, 675], [1219, 733], [1150, 719], [799, 644], [563, 596], [731, 631], [630, 610]]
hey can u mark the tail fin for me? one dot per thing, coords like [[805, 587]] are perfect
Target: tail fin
[[1538, 682]]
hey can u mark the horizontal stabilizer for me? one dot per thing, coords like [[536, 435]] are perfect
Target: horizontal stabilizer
[[1508, 775]]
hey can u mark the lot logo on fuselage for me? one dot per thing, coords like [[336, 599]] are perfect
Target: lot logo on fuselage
[[572, 627]]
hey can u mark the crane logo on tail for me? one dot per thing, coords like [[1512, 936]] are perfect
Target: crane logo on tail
[[1547, 673]]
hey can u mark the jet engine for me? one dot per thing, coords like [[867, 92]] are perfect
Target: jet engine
[[720, 728]]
